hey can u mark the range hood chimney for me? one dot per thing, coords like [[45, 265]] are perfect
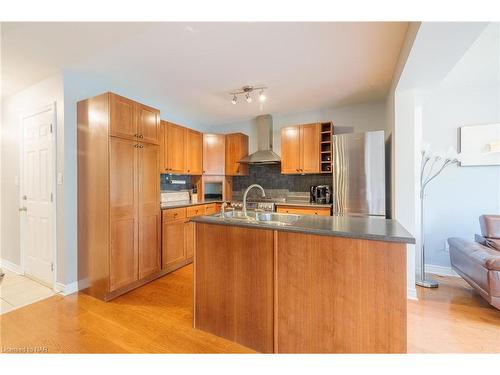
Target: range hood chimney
[[264, 153]]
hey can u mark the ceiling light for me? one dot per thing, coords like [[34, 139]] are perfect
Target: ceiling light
[[247, 91]]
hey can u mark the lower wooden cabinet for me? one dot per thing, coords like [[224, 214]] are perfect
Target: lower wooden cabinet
[[178, 236], [304, 210]]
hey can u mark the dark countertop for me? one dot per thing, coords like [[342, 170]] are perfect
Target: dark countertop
[[303, 204], [180, 204], [377, 229]]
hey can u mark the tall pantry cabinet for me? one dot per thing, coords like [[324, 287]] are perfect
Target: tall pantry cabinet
[[119, 222]]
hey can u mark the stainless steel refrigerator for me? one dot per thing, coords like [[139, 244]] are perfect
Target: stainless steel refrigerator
[[359, 174]]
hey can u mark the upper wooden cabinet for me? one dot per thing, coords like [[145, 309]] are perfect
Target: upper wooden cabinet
[[132, 120], [300, 149], [214, 154], [194, 152], [236, 149], [175, 148], [181, 149], [148, 124]]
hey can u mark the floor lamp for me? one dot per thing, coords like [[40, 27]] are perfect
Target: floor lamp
[[427, 174]]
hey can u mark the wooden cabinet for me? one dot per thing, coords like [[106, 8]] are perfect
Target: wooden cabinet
[[290, 150], [174, 148], [132, 120], [149, 215], [213, 154], [304, 210], [118, 198], [123, 269], [300, 149], [178, 236], [194, 152], [236, 149], [148, 124], [181, 150], [173, 245]]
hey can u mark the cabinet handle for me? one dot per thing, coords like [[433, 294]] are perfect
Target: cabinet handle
[[136, 135], [136, 146], [141, 146], [141, 136]]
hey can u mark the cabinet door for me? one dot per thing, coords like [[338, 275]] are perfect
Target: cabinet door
[[290, 150], [194, 149], [123, 213], [310, 141], [148, 124], [176, 142], [173, 244], [190, 238], [213, 154], [149, 210], [163, 147], [236, 149], [123, 117]]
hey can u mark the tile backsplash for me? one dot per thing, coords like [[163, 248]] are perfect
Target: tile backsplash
[[269, 177]]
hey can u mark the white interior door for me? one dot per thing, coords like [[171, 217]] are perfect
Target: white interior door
[[37, 221]]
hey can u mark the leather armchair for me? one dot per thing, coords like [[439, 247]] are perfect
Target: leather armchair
[[479, 262]]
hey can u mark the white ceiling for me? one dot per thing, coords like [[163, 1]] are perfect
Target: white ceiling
[[193, 66]]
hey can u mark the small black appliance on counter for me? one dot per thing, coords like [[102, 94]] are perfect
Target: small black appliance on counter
[[321, 194]]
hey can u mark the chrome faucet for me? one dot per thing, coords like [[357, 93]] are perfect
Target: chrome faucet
[[223, 209], [246, 193]]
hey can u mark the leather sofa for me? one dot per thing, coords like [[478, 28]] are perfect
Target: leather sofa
[[478, 262]]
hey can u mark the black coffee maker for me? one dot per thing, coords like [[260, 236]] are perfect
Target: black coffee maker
[[321, 194]]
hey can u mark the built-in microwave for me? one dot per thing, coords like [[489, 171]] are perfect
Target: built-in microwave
[[213, 190]]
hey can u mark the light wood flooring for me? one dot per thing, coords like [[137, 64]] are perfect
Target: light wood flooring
[[157, 318]]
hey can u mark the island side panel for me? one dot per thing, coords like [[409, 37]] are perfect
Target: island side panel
[[340, 295], [234, 284]]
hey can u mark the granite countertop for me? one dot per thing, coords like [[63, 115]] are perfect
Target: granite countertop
[[303, 204], [187, 203], [370, 228]]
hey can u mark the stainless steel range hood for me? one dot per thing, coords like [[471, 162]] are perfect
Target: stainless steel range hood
[[264, 153]]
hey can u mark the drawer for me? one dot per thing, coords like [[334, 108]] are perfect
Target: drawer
[[211, 209], [320, 211], [196, 210], [173, 214]]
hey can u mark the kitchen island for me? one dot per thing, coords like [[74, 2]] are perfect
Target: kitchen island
[[311, 285]]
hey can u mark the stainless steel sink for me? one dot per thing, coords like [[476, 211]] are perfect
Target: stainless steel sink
[[261, 217], [277, 219], [239, 215]]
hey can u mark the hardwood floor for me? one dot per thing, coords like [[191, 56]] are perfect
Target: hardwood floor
[[157, 318], [452, 319]]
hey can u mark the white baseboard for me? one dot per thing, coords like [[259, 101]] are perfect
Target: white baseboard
[[12, 267], [440, 270], [67, 289], [411, 293]]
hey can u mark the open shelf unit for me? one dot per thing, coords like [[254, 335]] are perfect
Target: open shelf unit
[[326, 151]]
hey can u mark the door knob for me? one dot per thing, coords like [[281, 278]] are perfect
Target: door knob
[[23, 209]]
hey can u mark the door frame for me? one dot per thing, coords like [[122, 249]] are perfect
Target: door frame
[[50, 107]]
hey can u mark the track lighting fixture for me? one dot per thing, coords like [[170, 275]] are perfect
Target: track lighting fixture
[[247, 91]]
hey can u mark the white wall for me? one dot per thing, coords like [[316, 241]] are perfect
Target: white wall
[[358, 117], [459, 195], [27, 101]]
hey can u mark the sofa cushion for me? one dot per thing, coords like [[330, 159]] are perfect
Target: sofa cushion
[[490, 226], [477, 253]]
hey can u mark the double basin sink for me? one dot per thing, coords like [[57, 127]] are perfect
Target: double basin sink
[[253, 217]]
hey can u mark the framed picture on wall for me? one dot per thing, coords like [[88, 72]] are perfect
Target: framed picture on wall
[[480, 145]]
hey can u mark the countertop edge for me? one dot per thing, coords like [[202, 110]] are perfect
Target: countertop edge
[[320, 232]]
